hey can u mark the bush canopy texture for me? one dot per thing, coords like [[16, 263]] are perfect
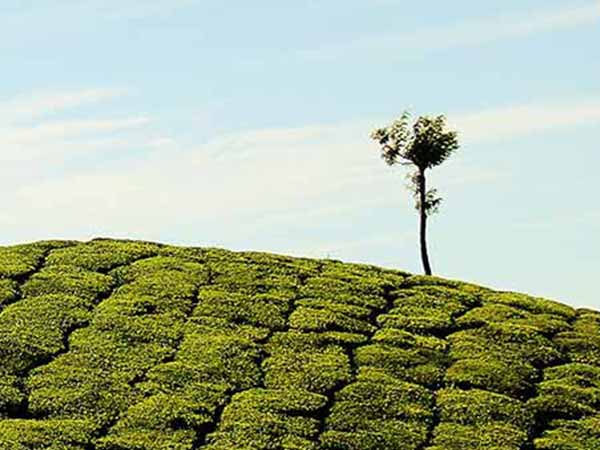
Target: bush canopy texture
[[126, 345]]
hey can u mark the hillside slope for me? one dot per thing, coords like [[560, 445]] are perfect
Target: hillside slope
[[118, 345]]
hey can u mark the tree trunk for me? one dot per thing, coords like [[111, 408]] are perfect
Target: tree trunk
[[423, 219]]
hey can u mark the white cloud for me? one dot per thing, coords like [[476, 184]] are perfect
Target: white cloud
[[518, 120], [28, 136], [61, 137], [260, 178], [464, 34], [34, 105]]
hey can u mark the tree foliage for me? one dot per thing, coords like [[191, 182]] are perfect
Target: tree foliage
[[423, 145]]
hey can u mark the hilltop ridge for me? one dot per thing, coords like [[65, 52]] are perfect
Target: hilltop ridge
[[128, 345]]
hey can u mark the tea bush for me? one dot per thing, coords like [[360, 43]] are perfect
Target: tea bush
[[124, 345]]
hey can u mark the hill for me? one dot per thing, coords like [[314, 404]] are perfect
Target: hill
[[123, 345]]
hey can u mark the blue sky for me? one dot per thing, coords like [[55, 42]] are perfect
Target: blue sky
[[245, 125]]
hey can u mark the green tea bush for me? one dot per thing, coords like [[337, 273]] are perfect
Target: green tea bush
[[532, 304], [426, 309], [491, 436], [135, 329], [417, 321], [477, 407], [581, 434], [8, 291], [570, 391], [72, 389], [376, 396], [43, 323], [515, 378], [349, 272], [505, 341], [105, 351], [330, 317], [222, 358], [579, 347], [587, 322], [265, 418], [497, 313], [404, 339], [354, 311], [211, 325], [120, 345], [195, 271], [453, 300], [176, 402], [159, 422], [102, 255], [253, 278], [45, 434], [379, 412], [395, 436], [418, 365], [68, 280], [359, 292], [262, 310], [318, 368], [10, 394], [19, 260], [429, 281], [178, 377]]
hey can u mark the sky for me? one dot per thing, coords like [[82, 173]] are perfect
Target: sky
[[245, 125]]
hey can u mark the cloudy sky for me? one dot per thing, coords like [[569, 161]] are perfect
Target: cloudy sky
[[245, 125]]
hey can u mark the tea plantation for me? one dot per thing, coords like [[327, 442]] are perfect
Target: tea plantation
[[123, 345]]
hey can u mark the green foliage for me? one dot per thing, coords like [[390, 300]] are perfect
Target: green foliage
[[404, 339], [579, 347], [581, 434], [117, 345], [459, 286], [505, 341], [70, 387], [418, 365], [499, 357], [262, 310], [570, 391], [533, 304], [102, 255], [8, 291], [10, 394], [159, 422], [305, 362], [492, 436], [20, 260], [514, 378], [45, 434], [587, 322], [330, 316], [351, 290], [477, 407], [379, 412], [157, 265], [69, 280], [497, 313], [425, 144], [42, 323], [223, 358], [253, 278], [426, 309], [269, 418]]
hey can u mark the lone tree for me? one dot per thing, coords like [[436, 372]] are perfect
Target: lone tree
[[423, 145]]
